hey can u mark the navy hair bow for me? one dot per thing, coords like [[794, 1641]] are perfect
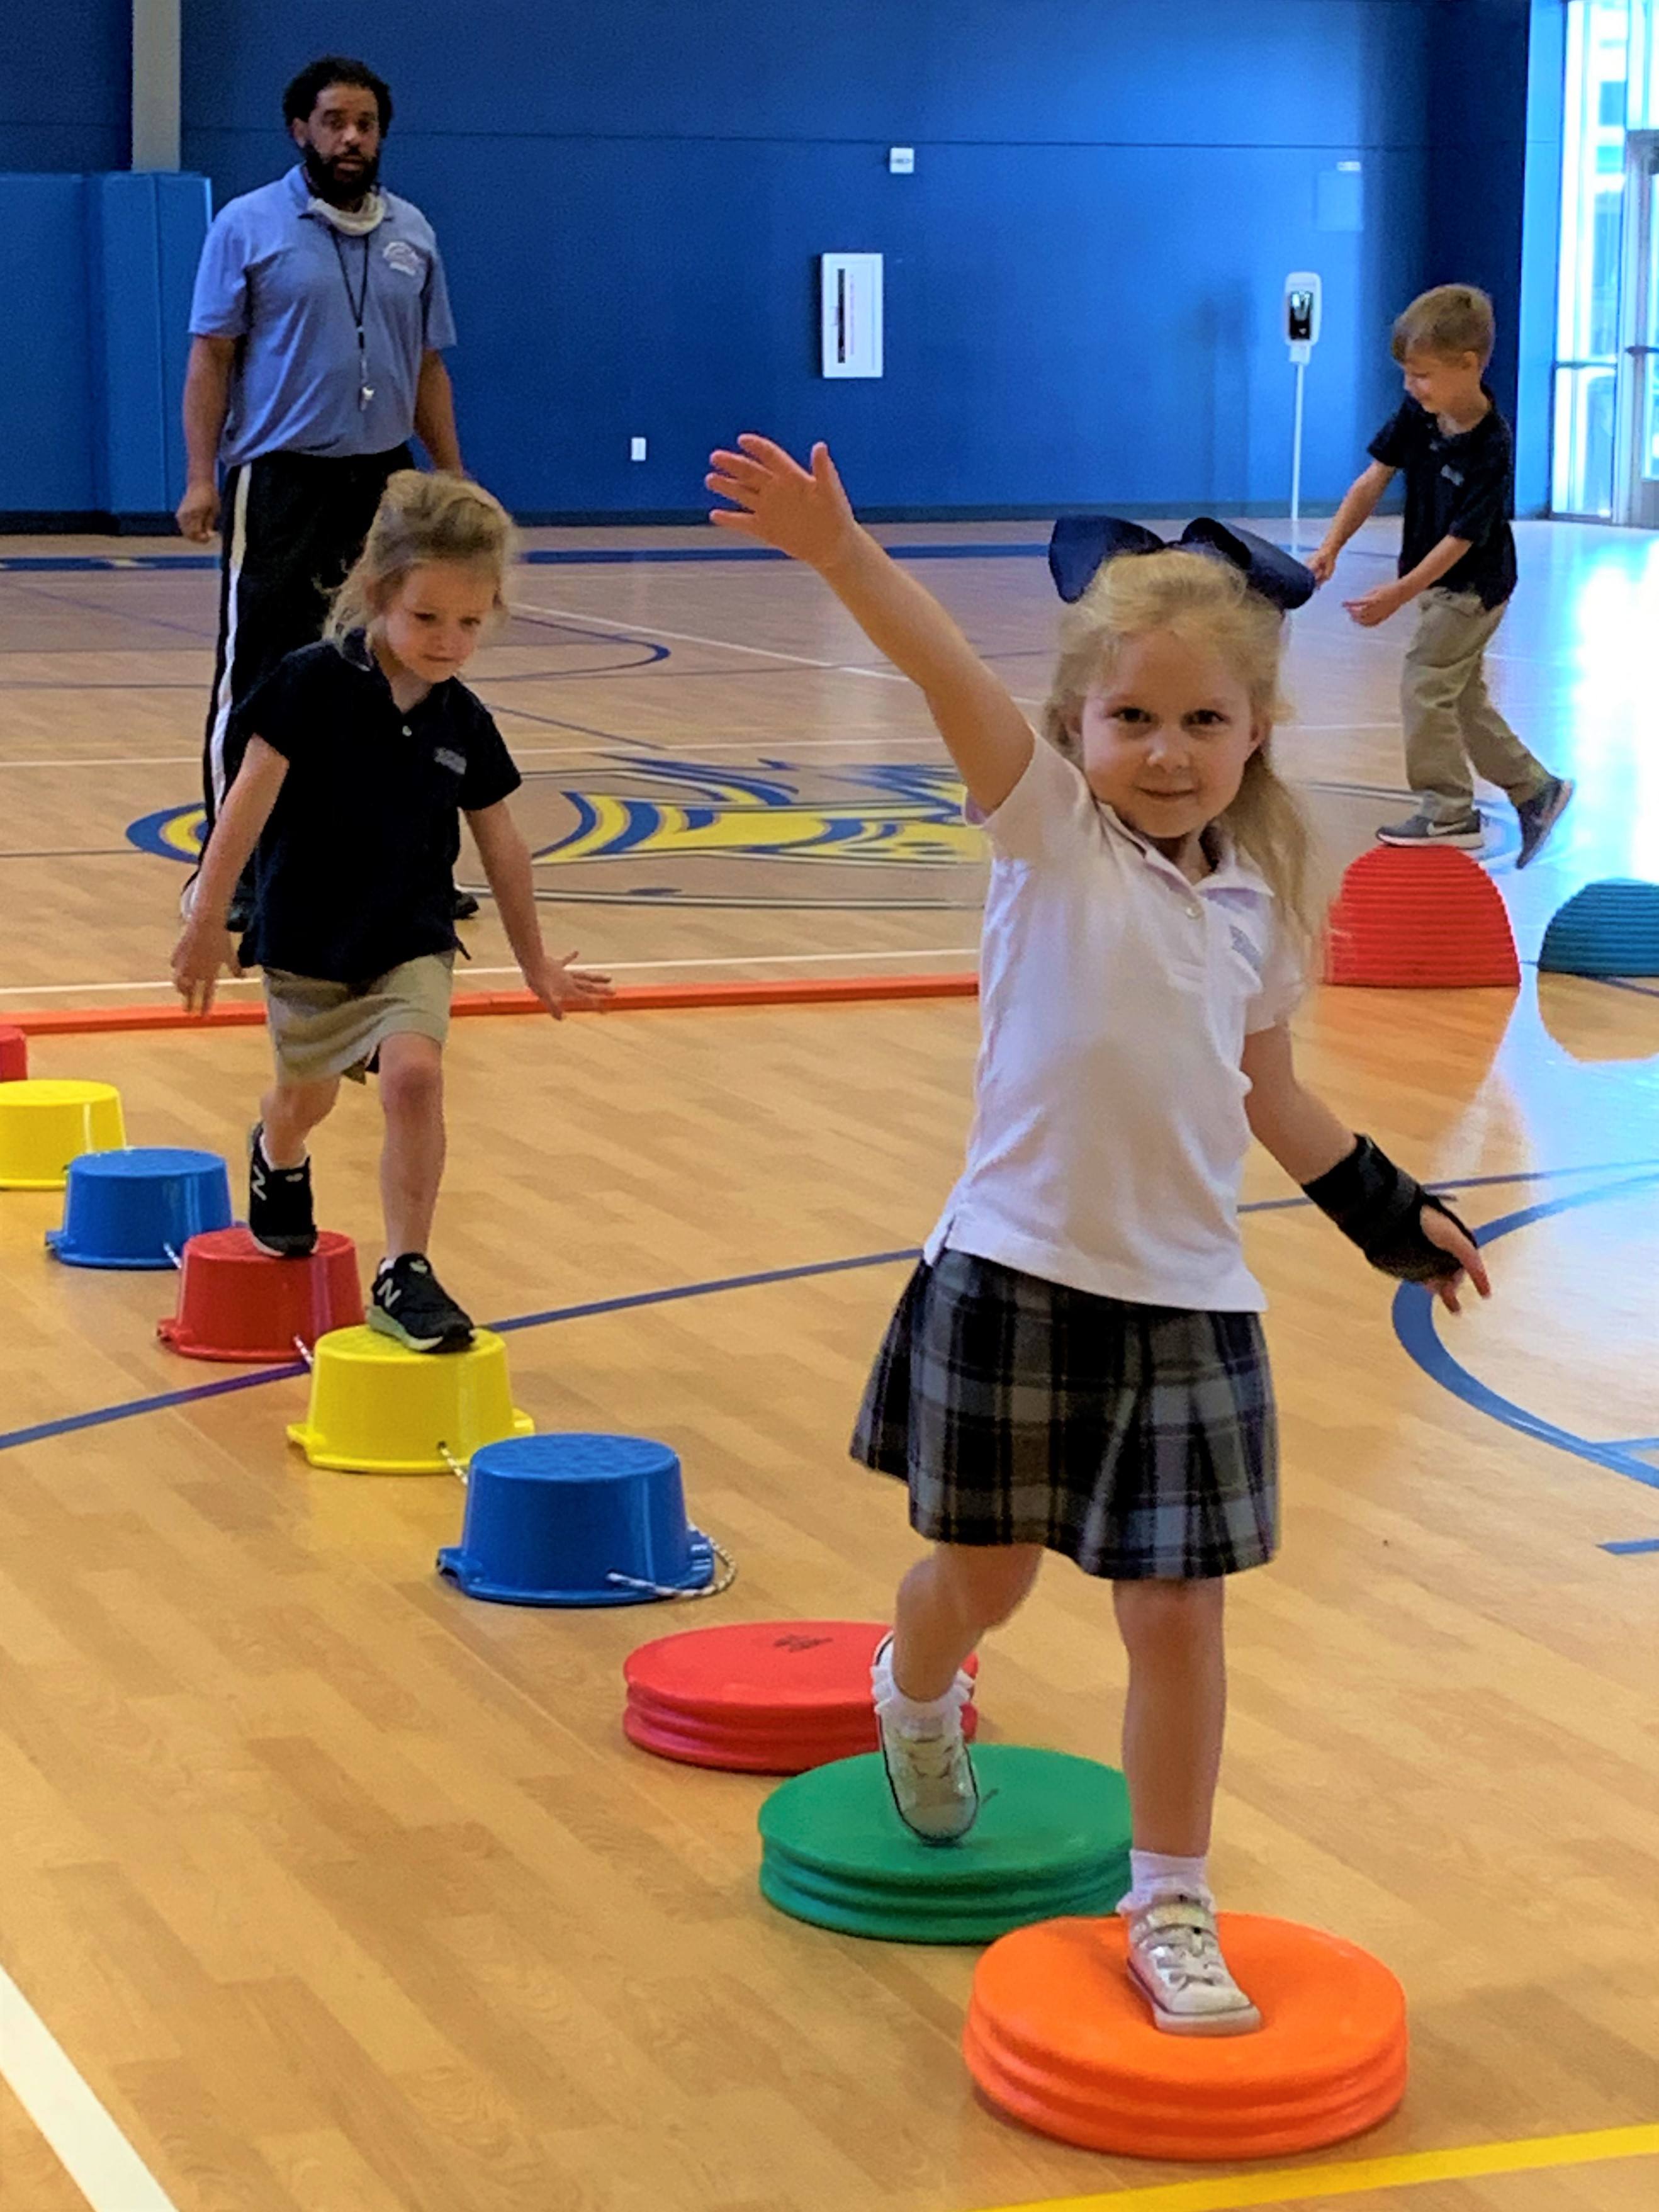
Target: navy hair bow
[[1081, 543]]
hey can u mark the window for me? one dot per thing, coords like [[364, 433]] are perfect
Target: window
[[1611, 75]]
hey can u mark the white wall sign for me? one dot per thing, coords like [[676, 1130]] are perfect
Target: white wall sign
[[850, 313]]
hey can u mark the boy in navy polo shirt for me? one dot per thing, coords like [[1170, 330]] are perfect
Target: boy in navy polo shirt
[[1457, 559], [362, 755]]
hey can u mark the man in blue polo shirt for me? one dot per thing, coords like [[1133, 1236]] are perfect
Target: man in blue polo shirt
[[317, 322]]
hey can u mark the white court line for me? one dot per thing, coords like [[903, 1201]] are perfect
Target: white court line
[[97, 2157], [162, 760], [695, 751], [715, 644], [611, 967]]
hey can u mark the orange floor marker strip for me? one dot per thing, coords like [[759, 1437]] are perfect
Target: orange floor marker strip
[[632, 999]]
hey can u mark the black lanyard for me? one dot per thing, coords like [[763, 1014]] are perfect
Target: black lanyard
[[365, 389]]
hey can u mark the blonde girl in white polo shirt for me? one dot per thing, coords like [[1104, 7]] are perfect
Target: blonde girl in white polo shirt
[[1077, 1364]]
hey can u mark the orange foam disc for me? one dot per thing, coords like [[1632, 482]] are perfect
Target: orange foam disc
[[1421, 920], [1058, 2038]]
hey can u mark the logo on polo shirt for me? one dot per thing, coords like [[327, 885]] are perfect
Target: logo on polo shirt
[[1248, 951], [455, 762], [403, 258]]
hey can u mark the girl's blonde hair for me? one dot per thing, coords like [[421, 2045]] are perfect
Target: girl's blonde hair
[[421, 519], [1209, 605]]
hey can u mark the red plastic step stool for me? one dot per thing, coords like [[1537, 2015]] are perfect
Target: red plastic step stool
[[237, 1303]]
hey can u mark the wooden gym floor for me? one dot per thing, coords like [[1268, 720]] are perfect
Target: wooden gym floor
[[334, 1892]]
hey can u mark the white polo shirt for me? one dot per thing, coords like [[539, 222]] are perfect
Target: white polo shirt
[[1108, 1136]]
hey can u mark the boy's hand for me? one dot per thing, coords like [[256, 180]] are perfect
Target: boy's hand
[[1322, 565], [1440, 1228], [197, 958], [1376, 606], [559, 986], [806, 516]]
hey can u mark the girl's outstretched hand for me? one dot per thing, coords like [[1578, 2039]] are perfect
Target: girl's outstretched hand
[[1440, 1228], [807, 515]]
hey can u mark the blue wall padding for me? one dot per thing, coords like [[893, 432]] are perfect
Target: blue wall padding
[[93, 343], [1610, 928], [47, 449], [145, 235]]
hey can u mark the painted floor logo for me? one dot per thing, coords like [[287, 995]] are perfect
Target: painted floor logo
[[890, 837]]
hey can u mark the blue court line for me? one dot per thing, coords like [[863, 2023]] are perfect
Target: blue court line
[[1415, 1326], [572, 556], [1613, 982], [131, 1408], [84, 563]]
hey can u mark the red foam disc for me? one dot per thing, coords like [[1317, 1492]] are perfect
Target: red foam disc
[[14, 1055], [772, 1697]]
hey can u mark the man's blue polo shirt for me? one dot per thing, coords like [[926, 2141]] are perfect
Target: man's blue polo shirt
[[280, 277]]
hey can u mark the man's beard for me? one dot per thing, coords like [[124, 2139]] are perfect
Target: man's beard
[[329, 184]]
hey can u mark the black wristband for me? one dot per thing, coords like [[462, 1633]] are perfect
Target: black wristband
[[1380, 1207]]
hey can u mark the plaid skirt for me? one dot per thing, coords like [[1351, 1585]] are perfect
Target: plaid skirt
[[1140, 1440]]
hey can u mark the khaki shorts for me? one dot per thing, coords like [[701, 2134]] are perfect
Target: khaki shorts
[[319, 1030]]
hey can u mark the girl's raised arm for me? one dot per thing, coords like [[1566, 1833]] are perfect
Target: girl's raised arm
[[808, 516]]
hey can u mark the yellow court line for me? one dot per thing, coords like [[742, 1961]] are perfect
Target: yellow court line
[[1295, 2185]]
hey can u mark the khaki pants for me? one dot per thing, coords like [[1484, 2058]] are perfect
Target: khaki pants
[[1450, 723]]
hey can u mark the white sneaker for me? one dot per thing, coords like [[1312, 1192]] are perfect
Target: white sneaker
[[928, 1770], [1175, 1959]]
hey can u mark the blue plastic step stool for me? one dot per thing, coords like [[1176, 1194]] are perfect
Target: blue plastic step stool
[[576, 1519], [137, 1207]]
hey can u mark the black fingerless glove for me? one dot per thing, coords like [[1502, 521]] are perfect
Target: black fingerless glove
[[1380, 1207]]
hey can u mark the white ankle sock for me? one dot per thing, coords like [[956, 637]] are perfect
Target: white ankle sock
[[305, 1154], [906, 1713], [1153, 1874]]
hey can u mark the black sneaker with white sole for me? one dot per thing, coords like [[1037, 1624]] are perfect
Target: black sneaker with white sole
[[279, 1219], [410, 1303], [1466, 833], [1539, 815]]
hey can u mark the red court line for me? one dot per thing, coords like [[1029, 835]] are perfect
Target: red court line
[[631, 999]]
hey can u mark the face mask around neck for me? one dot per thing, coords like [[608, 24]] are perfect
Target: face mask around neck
[[356, 223]]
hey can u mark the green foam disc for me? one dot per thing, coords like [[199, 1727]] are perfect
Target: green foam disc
[[1052, 1840]]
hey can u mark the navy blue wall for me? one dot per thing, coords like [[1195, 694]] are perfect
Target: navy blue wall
[[1477, 132], [65, 84], [1082, 276]]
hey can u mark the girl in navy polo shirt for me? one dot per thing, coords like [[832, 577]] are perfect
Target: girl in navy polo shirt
[[1076, 1364], [363, 754]]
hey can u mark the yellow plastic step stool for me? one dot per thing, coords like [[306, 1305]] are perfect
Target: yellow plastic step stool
[[377, 1408], [46, 1123]]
